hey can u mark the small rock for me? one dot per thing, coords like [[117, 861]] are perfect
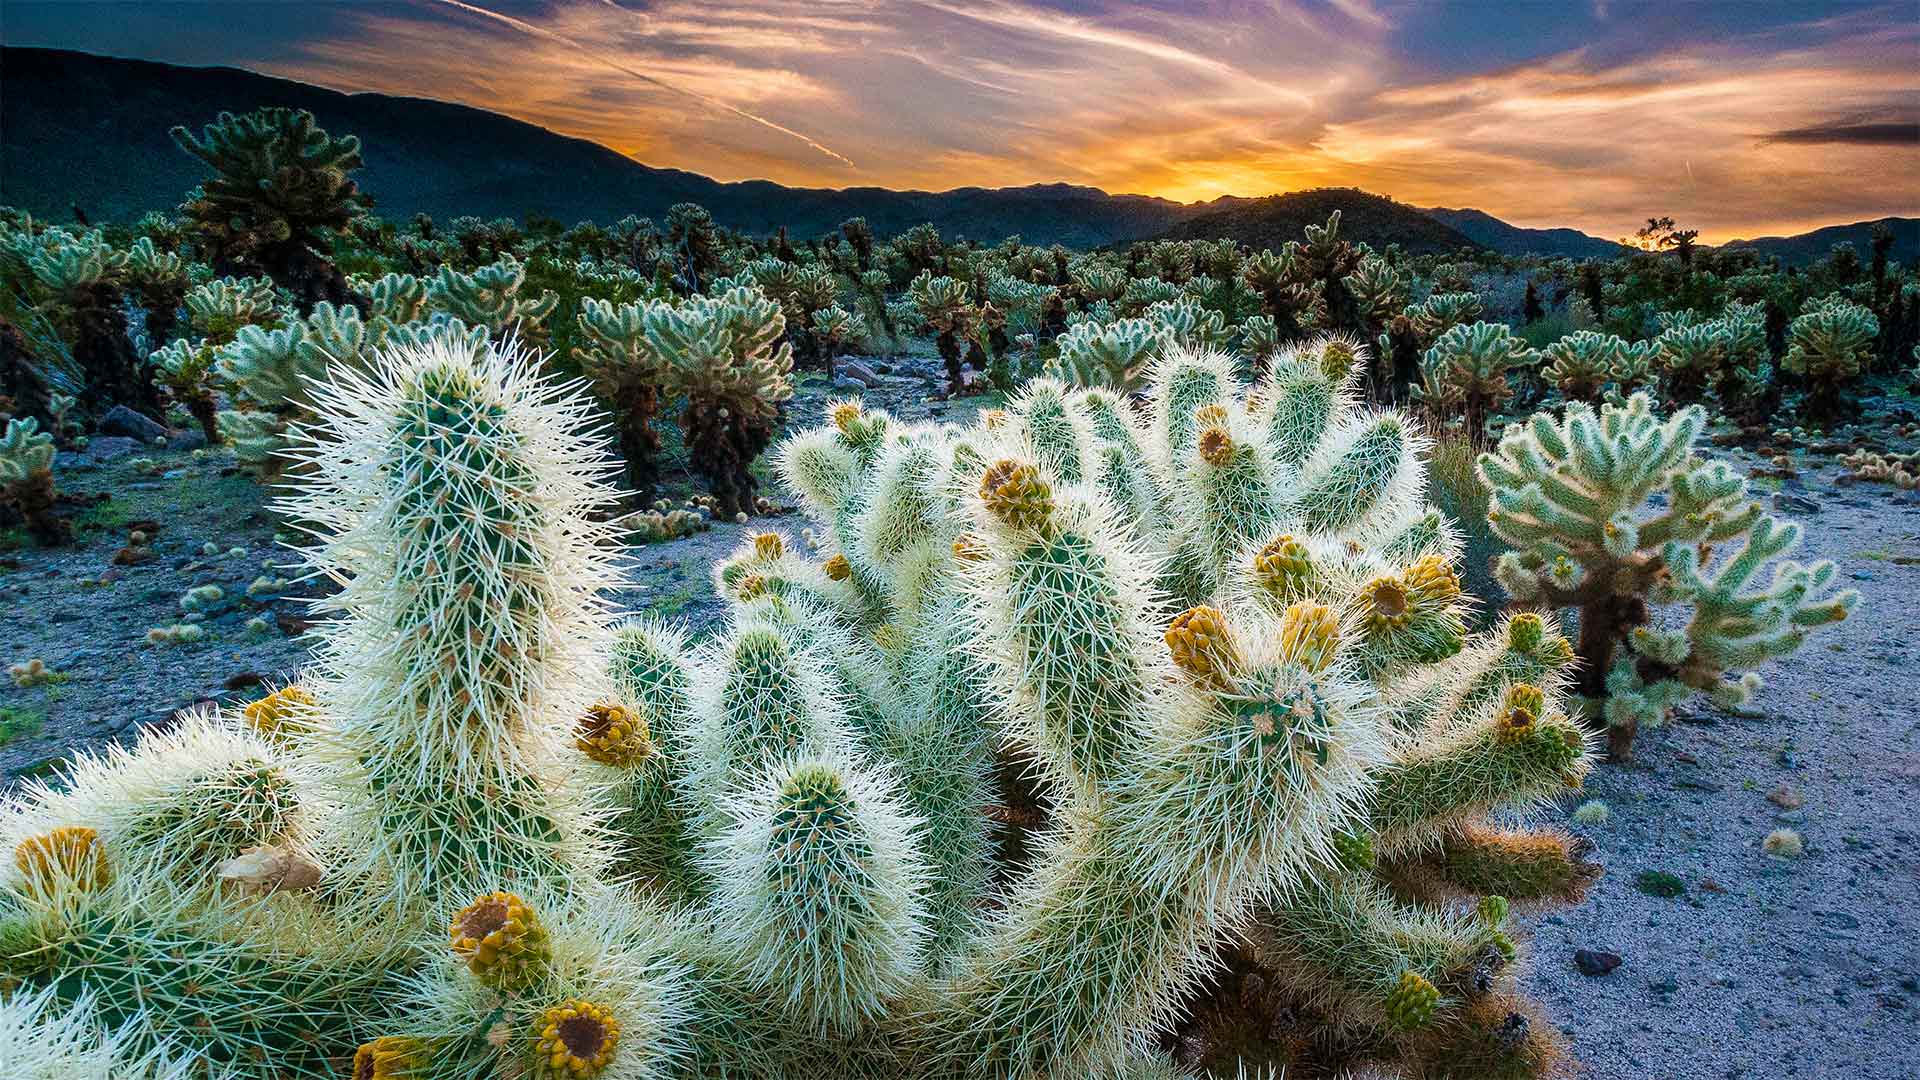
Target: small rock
[[858, 372], [193, 439], [848, 386], [1786, 798], [1594, 963], [1799, 504], [126, 423]]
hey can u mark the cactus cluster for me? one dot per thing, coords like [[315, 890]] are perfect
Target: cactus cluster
[[1574, 496], [989, 785]]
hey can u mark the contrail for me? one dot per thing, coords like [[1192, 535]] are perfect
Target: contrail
[[541, 31]]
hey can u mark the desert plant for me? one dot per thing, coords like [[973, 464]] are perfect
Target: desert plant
[[280, 193], [491, 296], [26, 481], [1572, 498], [1582, 363], [1114, 356], [1464, 373], [725, 355], [1829, 345], [629, 374]]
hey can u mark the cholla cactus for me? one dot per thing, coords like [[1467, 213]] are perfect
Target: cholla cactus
[[1829, 345], [280, 191], [944, 307], [1571, 496], [1114, 356], [1305, 760], [274, 372], [1378, 288], [1188, 324], [725, 355], [26, 481], [217, 309], [1692, 356], [170, 885], [397, 298], [1580, 364], [1465, 373], [491, 297], [43, 1037], [629, 374]]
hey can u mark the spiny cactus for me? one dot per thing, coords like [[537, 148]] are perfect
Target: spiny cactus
[[491, 297], [1465, 373], [1571, 496], [1114, 356], [1581, 364], [26, 481], [628, 373], [725, 355], [960, 794], [1829, 345], [455, 493], [280, 191], [273, 373]]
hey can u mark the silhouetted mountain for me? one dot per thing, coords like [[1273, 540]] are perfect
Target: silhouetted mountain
[[91, 131], [85, 131], [1815, 245], [1489, 231], [1272, 221]]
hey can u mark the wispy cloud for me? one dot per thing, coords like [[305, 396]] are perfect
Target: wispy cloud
[[1788, 119]]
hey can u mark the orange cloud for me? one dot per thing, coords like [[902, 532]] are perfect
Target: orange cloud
[[1189, 104]]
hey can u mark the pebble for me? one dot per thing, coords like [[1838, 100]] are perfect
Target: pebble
[[1594, 963]]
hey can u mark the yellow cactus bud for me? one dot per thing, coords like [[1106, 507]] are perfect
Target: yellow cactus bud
[[1411, 1002], [1309, 635], [751, 587], [1431, 582], [1216, 447], [1283, 567], [1337, 357], [502, 941], [70, 854], [1015, 493], [390, 1057], [993, 419], [1523, 705], [1202, 644], [1525, 632], [1385, 604], [768, 545], [1212, 414], [613, 735], [274, 716], [844, 414], [838, 568], [576, 1040]]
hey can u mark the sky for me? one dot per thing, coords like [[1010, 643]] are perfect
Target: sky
[[1738, 119]]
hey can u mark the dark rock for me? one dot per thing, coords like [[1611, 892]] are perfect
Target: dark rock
[[858, 372], [1799, 504], [192, 439], [1594, 963], [126, 423], [108, 447]]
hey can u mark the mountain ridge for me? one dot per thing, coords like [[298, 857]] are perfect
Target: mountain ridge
[[77, 129]]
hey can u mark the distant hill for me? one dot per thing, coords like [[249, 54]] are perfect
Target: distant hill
[[1489, 231], [78, 129], [1272, 221], [1808, 247], [91, 131]]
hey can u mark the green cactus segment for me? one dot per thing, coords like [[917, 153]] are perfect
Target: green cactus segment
[[1355, 475], [819, 887], [1349, 947], [1524, 867], [456, 653]]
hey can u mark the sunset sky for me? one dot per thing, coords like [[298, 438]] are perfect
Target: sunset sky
[[1738, 119]]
